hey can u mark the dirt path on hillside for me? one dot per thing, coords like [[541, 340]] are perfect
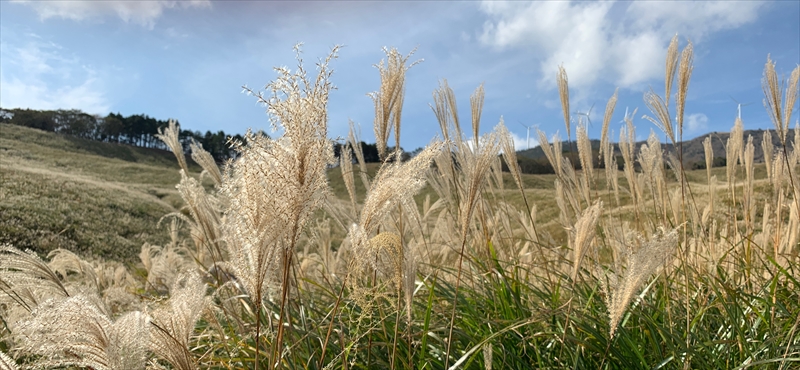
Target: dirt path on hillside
[[8, 165]]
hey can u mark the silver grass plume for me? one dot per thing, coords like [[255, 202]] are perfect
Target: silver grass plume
[[6, 362], [275, 185], [585, 156], [205, 160], [170, 136], [684, 75], [509, 153], [671, 65], [563, 94], [582, 235], [612, 103], [395, 183], [346, 166], [25, 278], [734, 151], [474, 164], [773, 89], [204, 210], [355, 143], [388, 100], [749, 205], [658, 106], [641, 264], [552, 152], [172, 325], [768, 148], [68, 264], [76, 332], [709, 153], [476, 106]]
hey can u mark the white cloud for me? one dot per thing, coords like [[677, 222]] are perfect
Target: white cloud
[[39, 76], [521, 142], [596, 41], [697, 122], [143, 13]]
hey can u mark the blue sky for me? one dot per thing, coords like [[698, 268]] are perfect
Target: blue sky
[[189, 60]]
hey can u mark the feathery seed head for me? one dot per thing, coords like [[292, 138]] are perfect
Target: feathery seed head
[[671, 64], [170, 136], [642, 263], [563, 94], [684, 74]]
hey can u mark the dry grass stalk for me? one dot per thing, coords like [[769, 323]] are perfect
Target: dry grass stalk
[[6, 362], [204, 225], [612, 103], [205, 160], [170, 136], [651, 160], [563, 94], [709, 154], [346, 166], [172, 325], [734, 151], [627, 141], [475, 162], [671, 65], [446, 111], [662, 119], [641, 264], [263, 222], [389, 99], [395, 183], [585, 156], [474, 165], [552, 152], [773, 89], [487, 356], [355, 143], [75, 332], [510, 156], [476, 106], [748, 201], [25, 279], [164, 265], [73, 269], [582, 235], [684, 75]]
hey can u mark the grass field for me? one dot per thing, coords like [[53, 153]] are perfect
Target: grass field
[[96, 199], [440, 262]]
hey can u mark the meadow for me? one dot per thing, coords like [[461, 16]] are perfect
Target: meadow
[[288, 257]]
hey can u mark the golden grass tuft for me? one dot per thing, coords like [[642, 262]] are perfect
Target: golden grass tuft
[[644, 257]]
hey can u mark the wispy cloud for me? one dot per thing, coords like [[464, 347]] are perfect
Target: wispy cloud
[[620, 43], [696, 123], [42, 75], [143, 13]]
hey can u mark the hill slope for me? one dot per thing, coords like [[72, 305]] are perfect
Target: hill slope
[[86, 196]]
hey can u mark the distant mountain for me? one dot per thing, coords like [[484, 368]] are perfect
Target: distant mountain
[[693, 151]]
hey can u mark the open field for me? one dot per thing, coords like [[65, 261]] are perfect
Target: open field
[[440, 262]]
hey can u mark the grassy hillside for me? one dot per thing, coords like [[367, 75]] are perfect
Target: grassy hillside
[[86, 196], [105, 200]]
